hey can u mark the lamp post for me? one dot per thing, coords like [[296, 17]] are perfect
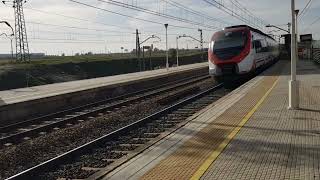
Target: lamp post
[[293, 83], [5, 22], [11, 39], [167, 53]]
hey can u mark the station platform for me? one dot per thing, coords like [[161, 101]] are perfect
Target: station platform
[[18, 105], [248, 134], [37, 92]]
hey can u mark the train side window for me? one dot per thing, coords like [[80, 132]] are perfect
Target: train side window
[[258, 46]]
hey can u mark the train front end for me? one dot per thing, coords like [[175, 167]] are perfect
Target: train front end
[[229, 52]]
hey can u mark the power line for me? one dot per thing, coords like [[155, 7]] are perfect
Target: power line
[[67, 41], [128, 16], [73, 33], [178, 5], [94, 34], [305, 9], [86, 20], [244, 15], [315, 21], [73, 27], [251, 16], [141, 9], [76, 18]]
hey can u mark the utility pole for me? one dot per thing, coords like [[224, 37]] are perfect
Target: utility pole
[[22, 46], [293, 83], [297, 36], [201, 42], [150, 51], [144, 62], [138, 48], [177, 51], [139, 45], [167, 53]]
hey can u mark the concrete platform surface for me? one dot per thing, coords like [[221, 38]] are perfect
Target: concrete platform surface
[[27, 94], [249, 134]]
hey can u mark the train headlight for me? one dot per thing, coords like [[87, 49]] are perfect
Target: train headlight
[[211, 44]]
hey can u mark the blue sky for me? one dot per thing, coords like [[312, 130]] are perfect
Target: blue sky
[[100, 31]]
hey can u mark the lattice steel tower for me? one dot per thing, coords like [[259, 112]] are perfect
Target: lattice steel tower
[[22, 47]]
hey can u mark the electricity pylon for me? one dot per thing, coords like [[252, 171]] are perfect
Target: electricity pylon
[[22, 46]]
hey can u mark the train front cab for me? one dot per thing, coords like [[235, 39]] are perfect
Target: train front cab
[[230, 54]]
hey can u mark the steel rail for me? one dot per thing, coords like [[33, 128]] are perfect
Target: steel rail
[[68, 156], [18, 136]]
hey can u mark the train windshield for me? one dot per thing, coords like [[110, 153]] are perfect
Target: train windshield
[[230, 40], [229, 44]]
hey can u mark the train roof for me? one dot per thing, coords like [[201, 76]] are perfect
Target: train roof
[[251, 28]]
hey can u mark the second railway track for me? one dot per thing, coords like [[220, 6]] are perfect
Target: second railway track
[[98, 157], [19, 132]]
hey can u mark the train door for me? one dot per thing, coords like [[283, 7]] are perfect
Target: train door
[[259, 49]]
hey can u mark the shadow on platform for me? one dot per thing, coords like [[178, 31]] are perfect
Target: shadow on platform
[[310, 110], [304, 67]]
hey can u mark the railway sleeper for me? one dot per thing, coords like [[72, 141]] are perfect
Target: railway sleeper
[[139, 141], [162, 126], [171, 118], [91, 169], [130, 145], [122, 151], [108, 154]]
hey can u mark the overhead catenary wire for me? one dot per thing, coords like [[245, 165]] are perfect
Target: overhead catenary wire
[[179, 5], [314, 22], [73, 27], [71, 37], [148, 11], [136, 18], [85, 20], [81, 34], [305, 9], [222, 6], [76, 18], [101, 34]]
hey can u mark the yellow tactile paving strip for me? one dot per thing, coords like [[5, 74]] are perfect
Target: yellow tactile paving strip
[[183, 163]]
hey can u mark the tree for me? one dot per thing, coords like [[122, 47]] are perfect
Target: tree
[[173, 53]]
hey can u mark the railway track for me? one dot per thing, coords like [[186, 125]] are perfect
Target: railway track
[[100, 156], [22, 131]]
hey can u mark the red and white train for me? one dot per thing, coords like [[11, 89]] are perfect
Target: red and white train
[[240, 50]]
